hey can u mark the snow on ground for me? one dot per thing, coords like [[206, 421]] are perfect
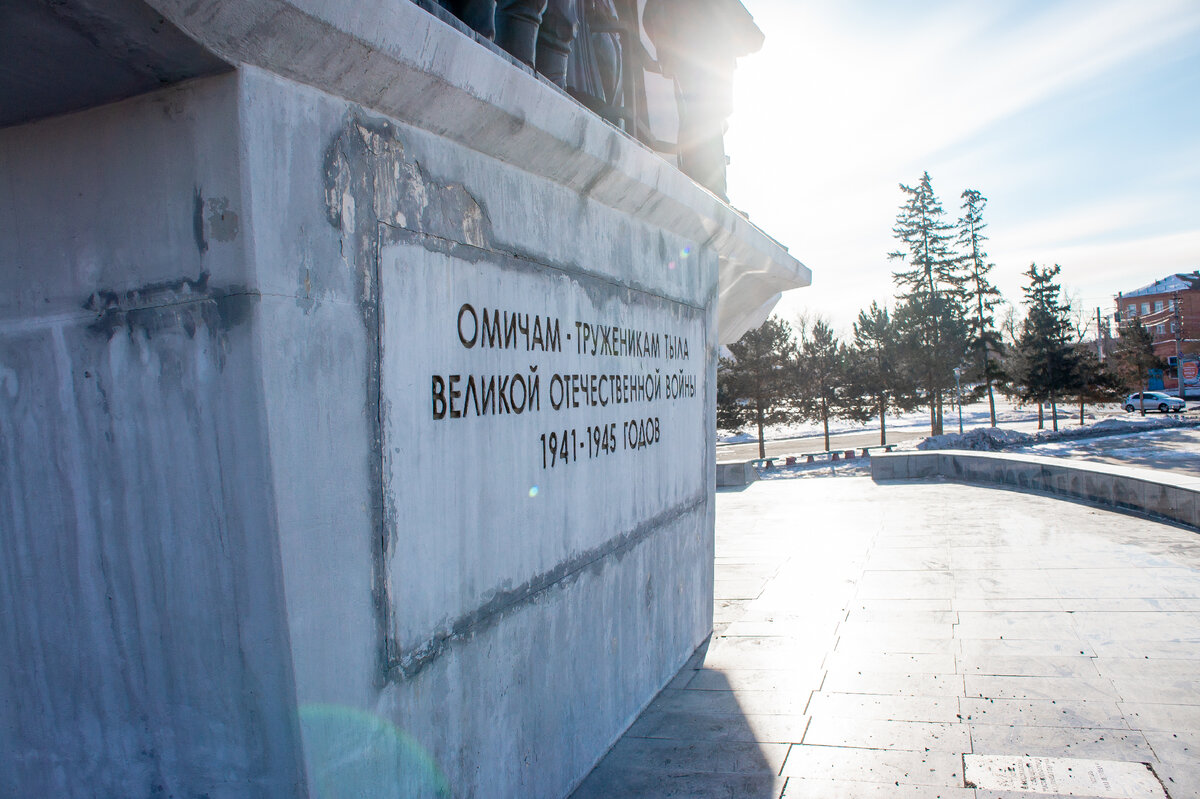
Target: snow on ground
[[1174, 449], [974, 415], [1110, 435]]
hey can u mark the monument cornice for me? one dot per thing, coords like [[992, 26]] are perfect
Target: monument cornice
[[397, 59]]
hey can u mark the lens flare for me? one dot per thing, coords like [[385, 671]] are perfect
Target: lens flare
[[349, 752], [533, 492]]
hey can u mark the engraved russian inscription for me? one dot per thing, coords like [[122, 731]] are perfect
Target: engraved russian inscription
[[640, 371]]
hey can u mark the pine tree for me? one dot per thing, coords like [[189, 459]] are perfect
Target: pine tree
[[876, 377], [754, 384], [928, 373], [820, 375], [1094, 380], [1045, 363], [932, 291], [982, 296]]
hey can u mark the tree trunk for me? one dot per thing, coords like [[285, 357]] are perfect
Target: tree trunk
[[882, 423], [991, 401], [762, 447], [940, 426], [1054, 412], [825, 421], [1081, 411], [1041, 418]]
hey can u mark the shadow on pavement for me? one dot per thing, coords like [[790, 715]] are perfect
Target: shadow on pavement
[[694, 740]]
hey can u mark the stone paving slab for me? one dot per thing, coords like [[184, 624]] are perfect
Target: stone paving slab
[[870, 636]]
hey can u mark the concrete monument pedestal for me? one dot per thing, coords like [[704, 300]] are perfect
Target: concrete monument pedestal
[[372, 380]]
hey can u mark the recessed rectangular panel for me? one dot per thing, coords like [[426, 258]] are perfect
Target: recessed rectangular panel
[[1109, 779], [533, 418]]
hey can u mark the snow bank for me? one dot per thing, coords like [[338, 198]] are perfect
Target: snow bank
[[985, 439], [994, 439]]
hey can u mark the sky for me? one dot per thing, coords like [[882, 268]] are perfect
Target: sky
[[1079, 121]]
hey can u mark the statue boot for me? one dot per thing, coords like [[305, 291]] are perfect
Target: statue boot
[[517, 24], [557, 32]]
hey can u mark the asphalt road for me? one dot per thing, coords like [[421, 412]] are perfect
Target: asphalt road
[[807, 444]]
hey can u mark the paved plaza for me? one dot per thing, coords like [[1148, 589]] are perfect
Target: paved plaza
[[870, 639]]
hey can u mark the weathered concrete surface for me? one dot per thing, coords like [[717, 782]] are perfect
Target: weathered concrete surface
[[140, 579], [868, 636], [1171, 496]]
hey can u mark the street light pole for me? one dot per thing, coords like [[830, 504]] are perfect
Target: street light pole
[[1177, 326], [958, 391]]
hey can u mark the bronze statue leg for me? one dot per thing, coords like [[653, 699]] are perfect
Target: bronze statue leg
[[517, 24]]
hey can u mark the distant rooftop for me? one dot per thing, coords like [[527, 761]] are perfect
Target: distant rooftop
[[1183, 281]]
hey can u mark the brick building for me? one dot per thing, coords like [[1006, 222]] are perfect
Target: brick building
[[1170, 310]]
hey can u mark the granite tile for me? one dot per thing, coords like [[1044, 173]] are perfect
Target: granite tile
[[1182, 781], [989, 604], [1162, 717], [1182, 748], [784, 680], [1081, 714], [896, 630], [1011, 624], [1180, 649], [707, 702], [1029, 666], [982, 648], [914, 663], [1103, 744], [727, 757], [895, 645], [874, 765], [885, 707], [877, 734], [801, 788], [1040, 688], [896, 684], [906, 585], [606, 783], [720, 727]]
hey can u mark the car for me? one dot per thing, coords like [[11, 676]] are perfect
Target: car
[[1155, 401]]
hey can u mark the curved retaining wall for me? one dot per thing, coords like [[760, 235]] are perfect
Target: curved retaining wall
[[1169, 496]]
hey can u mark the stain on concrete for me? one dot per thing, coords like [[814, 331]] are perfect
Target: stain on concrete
[[185, 304], [212, 218], [9, 381], [222, 222], [198, 221], [304, 292]]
